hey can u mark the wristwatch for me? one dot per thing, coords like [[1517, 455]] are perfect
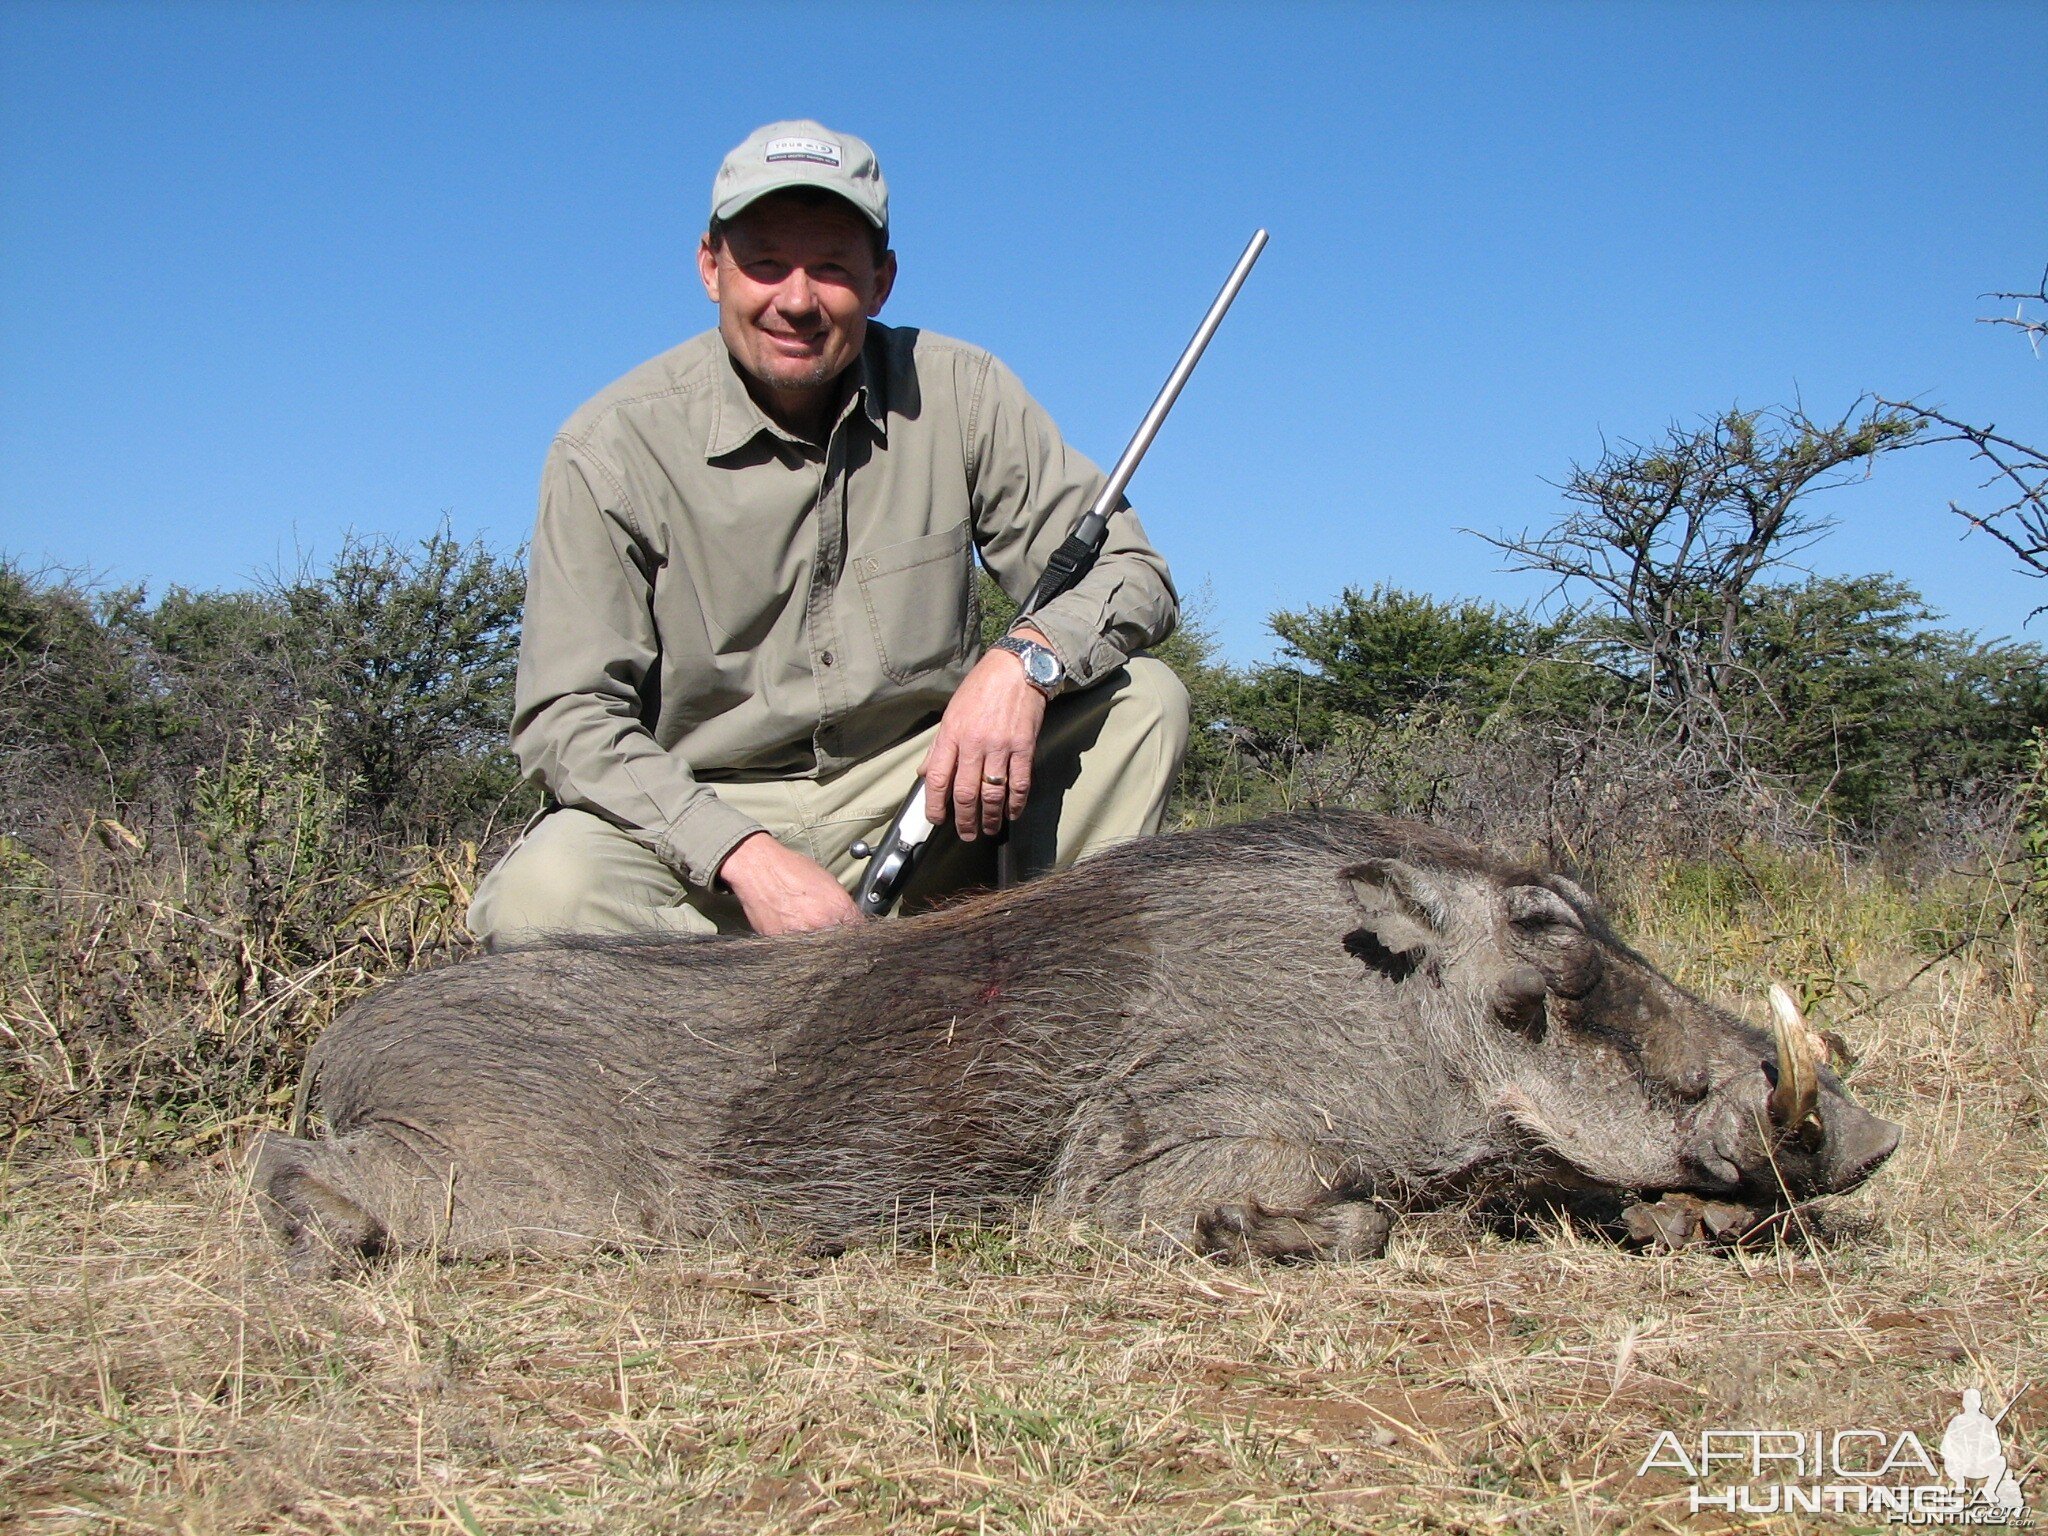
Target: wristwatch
[[1042, 669]]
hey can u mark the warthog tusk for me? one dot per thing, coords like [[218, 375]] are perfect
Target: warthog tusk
[[1797, 1094]]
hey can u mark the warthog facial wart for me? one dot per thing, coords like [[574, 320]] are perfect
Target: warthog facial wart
[[1395, 1020]]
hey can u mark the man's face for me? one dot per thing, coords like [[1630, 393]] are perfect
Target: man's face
[[795, 285]]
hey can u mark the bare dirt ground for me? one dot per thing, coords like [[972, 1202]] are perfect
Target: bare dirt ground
[[160, 1370]]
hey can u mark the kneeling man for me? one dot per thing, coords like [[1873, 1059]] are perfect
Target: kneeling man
[[751, 616]]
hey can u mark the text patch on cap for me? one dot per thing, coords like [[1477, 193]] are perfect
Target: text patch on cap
[[819, 151]]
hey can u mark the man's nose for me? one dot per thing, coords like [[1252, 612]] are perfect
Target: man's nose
[[797, 295]]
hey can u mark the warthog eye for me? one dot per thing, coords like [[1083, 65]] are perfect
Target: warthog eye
[[1538, 909], [1549, 933]]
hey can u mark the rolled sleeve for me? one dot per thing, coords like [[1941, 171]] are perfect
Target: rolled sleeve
[[587, 645], [1029, 490]]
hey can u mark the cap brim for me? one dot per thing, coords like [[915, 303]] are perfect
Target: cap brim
[[739, 202]]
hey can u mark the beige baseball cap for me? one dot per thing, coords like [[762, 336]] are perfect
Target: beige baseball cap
[[801, 153]]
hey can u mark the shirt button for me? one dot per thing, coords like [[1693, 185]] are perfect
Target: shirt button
[[826, 659]]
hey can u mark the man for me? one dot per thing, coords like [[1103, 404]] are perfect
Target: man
[[751, 618]]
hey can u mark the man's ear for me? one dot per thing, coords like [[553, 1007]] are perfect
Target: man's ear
[[707, 267], [1397, 906], [885, 280]]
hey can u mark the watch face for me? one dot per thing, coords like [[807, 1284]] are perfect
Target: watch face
[[1041, 666]]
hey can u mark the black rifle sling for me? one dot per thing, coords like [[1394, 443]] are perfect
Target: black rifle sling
[[1067, 565]]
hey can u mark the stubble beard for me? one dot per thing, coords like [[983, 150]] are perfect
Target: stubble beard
[[808, 389], [813, 375]]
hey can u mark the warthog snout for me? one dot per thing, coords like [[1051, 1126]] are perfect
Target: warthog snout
[[1786, 1129]]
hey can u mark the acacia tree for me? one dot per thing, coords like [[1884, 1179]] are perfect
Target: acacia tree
[[2019, 471], [2032, 327], [1662, 544]]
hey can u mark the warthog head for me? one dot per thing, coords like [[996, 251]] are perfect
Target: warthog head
[[1593, 1074]]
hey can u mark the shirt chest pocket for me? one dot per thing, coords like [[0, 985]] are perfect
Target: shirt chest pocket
[[919, 596]]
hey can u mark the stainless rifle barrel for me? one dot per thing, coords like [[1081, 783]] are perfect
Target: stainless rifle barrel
[[1149, 427]]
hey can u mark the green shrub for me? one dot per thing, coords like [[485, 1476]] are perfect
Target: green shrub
[[411, 653]]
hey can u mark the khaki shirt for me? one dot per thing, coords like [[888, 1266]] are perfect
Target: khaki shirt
[[711, 598]]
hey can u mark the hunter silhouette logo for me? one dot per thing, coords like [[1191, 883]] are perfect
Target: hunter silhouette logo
[[1973, 1451], [1856, 1471]]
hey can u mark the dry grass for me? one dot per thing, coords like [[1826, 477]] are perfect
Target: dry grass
[[160, 1371]]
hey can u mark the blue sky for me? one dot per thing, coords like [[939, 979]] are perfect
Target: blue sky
[[271, 272]]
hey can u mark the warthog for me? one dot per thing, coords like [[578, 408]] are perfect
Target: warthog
[[1258, 1039]]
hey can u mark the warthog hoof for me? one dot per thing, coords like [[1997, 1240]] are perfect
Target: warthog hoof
[[1679, 1221]]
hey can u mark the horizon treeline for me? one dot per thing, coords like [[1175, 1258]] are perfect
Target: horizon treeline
[[1838, 704]]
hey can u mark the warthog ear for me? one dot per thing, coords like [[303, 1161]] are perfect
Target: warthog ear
[[1401, 914]]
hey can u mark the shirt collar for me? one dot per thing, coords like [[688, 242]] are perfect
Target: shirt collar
[[872, 382], [736, 420]]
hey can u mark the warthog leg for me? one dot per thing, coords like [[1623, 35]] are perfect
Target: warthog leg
[[1340, 1230], [324, 1230], [1259, 1192]]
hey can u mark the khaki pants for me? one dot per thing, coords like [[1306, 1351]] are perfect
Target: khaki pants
[[1106, 762]]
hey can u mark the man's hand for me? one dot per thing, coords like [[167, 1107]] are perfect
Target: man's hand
[[782, 891], [978, 772]]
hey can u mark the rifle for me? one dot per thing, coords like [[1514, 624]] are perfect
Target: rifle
[[892, 859]]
